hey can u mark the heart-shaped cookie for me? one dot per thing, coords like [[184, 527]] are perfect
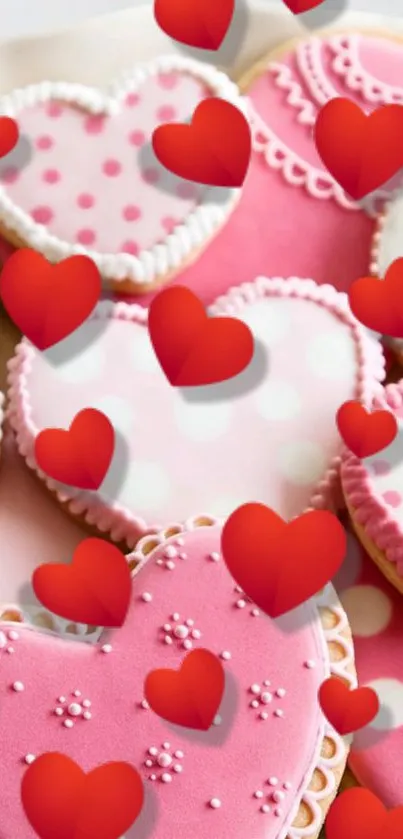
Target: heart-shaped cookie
[[268, 435], [84, 179], [250, 773]]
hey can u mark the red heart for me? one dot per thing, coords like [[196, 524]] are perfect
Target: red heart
[[365, 433], [81, 456], [297, 7], [378, 303], [63, 802], [347, 710], [361, 152], [95, 589], [190, 696], [202, 24], [9, 135], [48, 302], [279, 565], [214, 149], [358, 814], [191, 348]]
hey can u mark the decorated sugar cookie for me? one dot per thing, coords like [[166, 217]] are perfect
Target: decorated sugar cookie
[[269, 764], [269, 434], [373, 489], [84, 178]]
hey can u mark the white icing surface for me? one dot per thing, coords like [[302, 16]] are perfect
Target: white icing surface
[[368, 608]]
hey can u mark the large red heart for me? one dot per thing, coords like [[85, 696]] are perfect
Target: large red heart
[[9, 134], [378, 303], [365, 433], [347, 710], [358, 814], [190, 696], [192, 348], [95, 589], [202, 24], [214, 149], [48, 302], [361, 152], [79, 457], [60, 800], [280, 565]]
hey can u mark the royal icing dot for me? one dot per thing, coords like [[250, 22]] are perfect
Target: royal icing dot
[[258, 793], [255, 613], [51, 176], [144, 704], [148, 763], [42, 215], [147, 597], [87, 715], [278, 812], [18, 686], [68, 723], [265, 808], [187, 645], [181, 631], [13, 635], [74, 709], [280, 692], [166, 778], [132, 99], [177, 768], [263, 715], [44, 142], [179, 754], [53, 109], [273, 781], [310, 664], [168, 81], [255, 689], [106, 648], [278, 796], [278, 713], [266, 697], [176, 616], [214, 556], [137, 138], [153, 751], [166, 113], [86, 236], [170, 565], [225, 655], [111, 168], [94, 124], [215, 803], [131, 212], [59, 712], [85, 201], [254, 703], [29, 759], [241, 603], [196, 634], [164, 759], [131, 247]]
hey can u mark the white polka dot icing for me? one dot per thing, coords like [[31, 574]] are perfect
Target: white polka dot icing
[[213, 448], [92, 184], [178, 769]]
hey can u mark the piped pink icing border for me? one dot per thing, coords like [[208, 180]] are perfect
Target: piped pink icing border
[[346, 63], [114, 518], [369, 510]]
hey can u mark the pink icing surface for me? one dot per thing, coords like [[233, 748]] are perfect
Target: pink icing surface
[[183, 451], [374, 609], [374, 486], [241, 747]]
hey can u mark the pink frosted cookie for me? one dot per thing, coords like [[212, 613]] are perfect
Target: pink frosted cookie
[[387, 245], [250, 773], [84, 178], [292, 217], [373, 489], [374, 611], [269, 434]]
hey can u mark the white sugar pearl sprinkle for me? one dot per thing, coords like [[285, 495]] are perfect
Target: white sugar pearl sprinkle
[[59, 712], [215, 803], [68, 723], [74, 709], [153, 751], [168, 639], [177, 767], [255, 613], [278, 811], [265, 808], [29, 759], [13, 635], [164, 759], [153, 777], [10, 650], [179, 754], [278, 796], [280, 692], [241, 603], [287, 785], [266, 697], [170, 552], [187, 645], [87, 715], [180, 542], [159, 561], [144, 704], [273, 781], [106, 648], [86, 703], [166, 778], [170, 565], [166, 745], [263, 715], [181, 631], [225, 655], [18, 686], [258, 793], [167, 627], [278, 713], [310, 663], [255, 689], [175, 616], [217, 720], [196, 634], [214, 556], [254, 703], [147, 597], [189, 622], [267, 683], [77, 693], [61, 699], [183, 556], [148, 763]]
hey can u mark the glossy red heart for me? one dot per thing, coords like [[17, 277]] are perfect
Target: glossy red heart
[[347, 710], [279, 565], [190, 696], [202, 23], [95, 589], [378, 303], [192, 348], [80, 456], [9, 135], [297, 7], [358, 814], [48, 302], [214, 149], [361, 152], [363, 432], [63, 802]]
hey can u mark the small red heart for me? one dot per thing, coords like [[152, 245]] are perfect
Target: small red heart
[[361, 152], [347, 710], [214, 149], [297, 7], [63, 802], [79, 457], [190, 696], [95, 589], [279, 565], [358, 814], [378, 303], [48, 302], [365, 433], [192, 348], [202, 24], [9, 135]]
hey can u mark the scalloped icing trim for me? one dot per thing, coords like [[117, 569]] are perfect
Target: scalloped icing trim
[[346, 63], [369, 510], [114, 518], [194, 232]]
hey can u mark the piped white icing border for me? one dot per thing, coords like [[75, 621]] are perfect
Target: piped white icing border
[[162, 258]]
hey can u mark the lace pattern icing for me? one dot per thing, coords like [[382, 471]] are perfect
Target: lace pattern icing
[[346, 63]]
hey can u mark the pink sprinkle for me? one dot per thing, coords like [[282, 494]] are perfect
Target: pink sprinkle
[[111, 168], [53, 109], [42, 215], [94, 124], [166, 113], [169, 224], [44, 142], [137, 138], [132, 99], [380, 467], [86, 236], [130, 247], [186, 190], [10, 175], [85, 201], [168, 80], [131, 212], [392, 497], [150, 175], [51, 176]]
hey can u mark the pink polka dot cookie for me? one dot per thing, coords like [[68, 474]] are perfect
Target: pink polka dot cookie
[[269, 434], [373, 489], [84, 178], [268, 766]]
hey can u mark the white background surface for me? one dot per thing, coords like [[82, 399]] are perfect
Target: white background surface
[[22, 18]]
